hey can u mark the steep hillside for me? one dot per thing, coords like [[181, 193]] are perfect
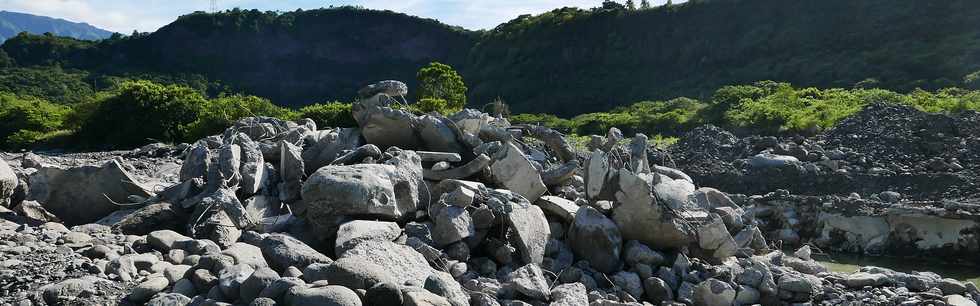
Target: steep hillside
[[565, 62], [294, 58], [572, 61], [12, 23]]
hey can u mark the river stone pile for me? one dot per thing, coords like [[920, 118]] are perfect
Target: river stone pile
[[413, 210]]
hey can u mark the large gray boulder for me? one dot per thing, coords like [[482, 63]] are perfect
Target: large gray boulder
[[387, 127], [389, 191], [357, 231], [283, 251], [252, 167], [641, 217], [595, 238], [597, 173], [514, 171], [322, 296], [383, 126], [328, 145], [714, 292], [531, 228], [714, 238], [674, 193], [291, 172], [404, 263], [350, 273], [450, 223], [769, 160], [444, 285], [82, 195], [196, 162], [530, 281], [8, 182]]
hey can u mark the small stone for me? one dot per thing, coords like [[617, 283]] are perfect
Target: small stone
[[530, 281], [147, 289], [169, 299], [383, 294]]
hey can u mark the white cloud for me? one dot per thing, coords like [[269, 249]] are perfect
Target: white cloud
[[148, 15]]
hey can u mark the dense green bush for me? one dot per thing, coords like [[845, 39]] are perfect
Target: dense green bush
[[333, 114], [785, 109], [139, 112], [767, 107], [432, 105], [24, 121]]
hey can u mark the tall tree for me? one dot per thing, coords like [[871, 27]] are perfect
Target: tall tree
[[644, 4], [630, 5], [440, 81]]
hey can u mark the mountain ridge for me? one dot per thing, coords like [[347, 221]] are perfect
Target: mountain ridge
[[12, 23]]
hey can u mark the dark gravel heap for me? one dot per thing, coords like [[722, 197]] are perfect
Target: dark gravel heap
[[885, 147], [45, 265], [901, 135]]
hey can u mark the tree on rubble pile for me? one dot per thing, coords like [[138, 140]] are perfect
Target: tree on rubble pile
[[439, 81]]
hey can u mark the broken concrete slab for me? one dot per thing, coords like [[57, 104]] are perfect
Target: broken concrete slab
[[640, 217], [532, 231], [597, 172], [328, 145], [514, 171], [252, 168], [559, 207], [434, 157], [389, 191], [84, 194], [291, 172]]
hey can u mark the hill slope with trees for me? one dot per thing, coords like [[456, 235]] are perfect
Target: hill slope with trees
[[565, 62]]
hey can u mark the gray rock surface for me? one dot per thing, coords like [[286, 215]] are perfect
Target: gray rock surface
[[595, 238]]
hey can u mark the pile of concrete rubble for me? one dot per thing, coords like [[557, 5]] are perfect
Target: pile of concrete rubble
[[405, 210]]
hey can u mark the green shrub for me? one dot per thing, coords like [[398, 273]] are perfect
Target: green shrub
[[333, 114], [139, 112], [24, 119], [433, 105], [548, 120]]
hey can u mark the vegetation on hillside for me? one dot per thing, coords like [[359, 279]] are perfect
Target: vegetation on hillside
[[571, 61], [582, 70], [565, 62], [291, 58], [767, 108]]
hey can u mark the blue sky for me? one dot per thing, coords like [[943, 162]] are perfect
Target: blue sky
[[148, 15]]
